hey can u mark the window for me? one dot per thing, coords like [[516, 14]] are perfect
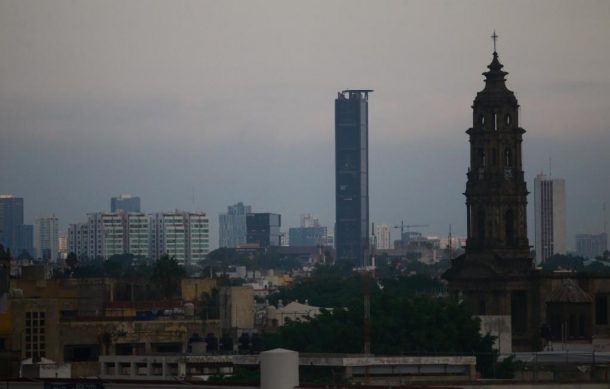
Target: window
[[507, 119], [34, 335]]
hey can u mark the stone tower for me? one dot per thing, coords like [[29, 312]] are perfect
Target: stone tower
[[493, 276], [496, 193]]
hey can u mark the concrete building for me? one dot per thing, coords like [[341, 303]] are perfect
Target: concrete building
[[136, 234], [232, 230], [277, 317], [106, 234], [351, 176], [310, 220], [263, 229], [14, 235], [125, 203], [383, 238], [197, 230], [591, 245], [183, 235], [46, 238], [237, 307], [549, 217]]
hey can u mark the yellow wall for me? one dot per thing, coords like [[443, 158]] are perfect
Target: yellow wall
[[192, 288]]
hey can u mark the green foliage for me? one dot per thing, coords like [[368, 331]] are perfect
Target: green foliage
[[166, 274], [575, 263], [406, 318], [221, 259], [337, 286]]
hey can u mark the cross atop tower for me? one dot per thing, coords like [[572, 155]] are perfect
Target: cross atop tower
[[494, 37]]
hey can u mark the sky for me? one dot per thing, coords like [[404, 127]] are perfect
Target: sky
[[197, 105]]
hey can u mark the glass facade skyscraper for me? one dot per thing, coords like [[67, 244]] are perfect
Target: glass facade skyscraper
[[351, 174]]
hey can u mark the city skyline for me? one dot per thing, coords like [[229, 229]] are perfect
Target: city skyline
[[91, 113]]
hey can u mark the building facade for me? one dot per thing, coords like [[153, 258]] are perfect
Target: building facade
[[14, 235], [125, 203], [549, 217], [383, 238], [46, 238], [263, 229], [136, 234], [351, 176], [232, 225], [591, 245], [307, 236], [182, 235]]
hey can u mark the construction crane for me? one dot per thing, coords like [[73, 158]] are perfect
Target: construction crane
[[402, 227]]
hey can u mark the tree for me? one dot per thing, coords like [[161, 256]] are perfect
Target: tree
[[72, 261], [166, 274]]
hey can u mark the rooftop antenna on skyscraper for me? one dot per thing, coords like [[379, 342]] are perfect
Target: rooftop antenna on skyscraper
[[550, 167]]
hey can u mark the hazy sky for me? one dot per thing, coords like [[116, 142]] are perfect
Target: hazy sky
[[199, 104]]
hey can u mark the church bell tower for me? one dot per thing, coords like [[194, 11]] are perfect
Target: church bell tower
[[496, 193]]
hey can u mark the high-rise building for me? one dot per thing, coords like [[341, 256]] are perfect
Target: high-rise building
[[351, 176], [14, 235], [78, 239], [383, 240], [136, 233], [232, 225], [106, 234], [591, 245], [549, 217], [125, 203], [182, 235], [263, 229], [46, 238]]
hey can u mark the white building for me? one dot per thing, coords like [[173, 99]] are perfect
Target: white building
[[383, 238], [549, 217], [310, 220], [182, 235], [46, 238], [136, 233], [78, 239]]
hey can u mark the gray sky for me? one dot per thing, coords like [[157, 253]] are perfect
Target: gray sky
[[200, 104]]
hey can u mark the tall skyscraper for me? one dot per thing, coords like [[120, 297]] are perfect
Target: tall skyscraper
[[263, 229], [232, 225], [125, 203], [46, 238], [351, 176], [549, 217], [14, 235]]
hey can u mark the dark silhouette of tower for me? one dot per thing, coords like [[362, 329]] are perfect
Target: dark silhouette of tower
[[351, 173], [492, 276], [496, 193]]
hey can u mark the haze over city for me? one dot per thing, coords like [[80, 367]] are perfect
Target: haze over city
[[197, 105]]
